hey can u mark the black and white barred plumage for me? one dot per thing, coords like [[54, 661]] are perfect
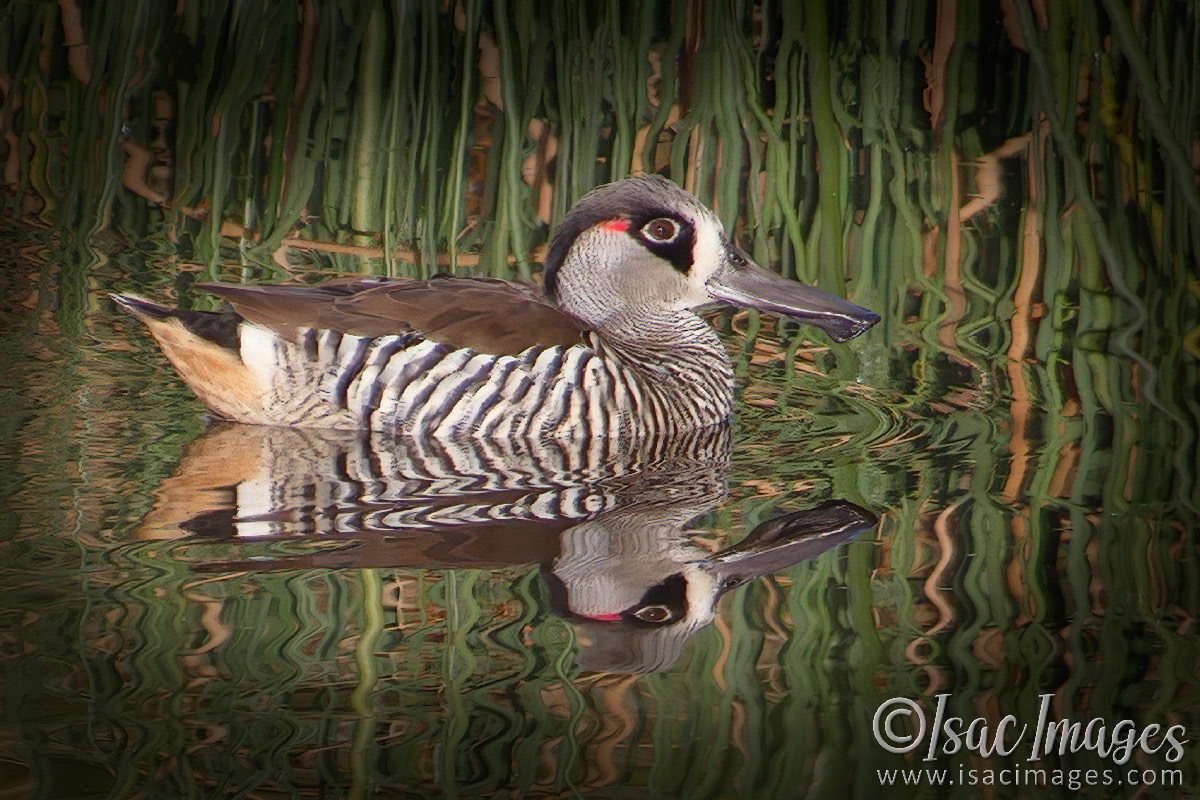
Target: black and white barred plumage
[[407, 385]]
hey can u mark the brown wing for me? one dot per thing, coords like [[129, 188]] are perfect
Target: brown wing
[[484, 314]]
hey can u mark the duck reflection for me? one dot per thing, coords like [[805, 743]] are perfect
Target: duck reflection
[[639, 586], [609, 531]]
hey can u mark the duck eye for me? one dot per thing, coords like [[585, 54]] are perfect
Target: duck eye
[[662, 229], [653, 614]]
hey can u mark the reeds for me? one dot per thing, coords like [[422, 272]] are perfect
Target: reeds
[[1014, 191]]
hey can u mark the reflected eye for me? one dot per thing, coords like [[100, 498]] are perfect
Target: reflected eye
[[653, 614], [662, 229]]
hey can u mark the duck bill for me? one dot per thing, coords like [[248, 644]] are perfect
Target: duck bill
[[781, 542], [746, 284]]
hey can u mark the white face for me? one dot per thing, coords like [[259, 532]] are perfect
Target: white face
[[708, 256], [641, 248], [655, 265], [635, 249]]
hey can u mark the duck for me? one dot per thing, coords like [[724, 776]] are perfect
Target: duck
[[619, 544], [610, 348]]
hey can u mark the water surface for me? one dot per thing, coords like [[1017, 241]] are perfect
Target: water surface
[[194, 609]]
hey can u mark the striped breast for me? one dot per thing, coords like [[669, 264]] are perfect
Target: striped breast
[[413, 386]]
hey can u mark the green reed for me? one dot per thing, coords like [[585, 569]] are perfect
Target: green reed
[[1029, 424]]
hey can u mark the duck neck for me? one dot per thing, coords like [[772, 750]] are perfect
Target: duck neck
[[678, 362]]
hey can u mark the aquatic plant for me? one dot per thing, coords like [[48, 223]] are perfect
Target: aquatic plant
[[1013, 188]]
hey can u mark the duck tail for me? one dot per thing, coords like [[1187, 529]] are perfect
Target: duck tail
[[219, 327], [140, 307], [203, 347]]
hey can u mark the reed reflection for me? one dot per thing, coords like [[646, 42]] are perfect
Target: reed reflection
[[610, 532]]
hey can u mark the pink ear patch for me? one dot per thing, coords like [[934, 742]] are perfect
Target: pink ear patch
[[617, 225], [604, 617]]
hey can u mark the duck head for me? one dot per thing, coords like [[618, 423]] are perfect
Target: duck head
[[638, 588], [642, 248]]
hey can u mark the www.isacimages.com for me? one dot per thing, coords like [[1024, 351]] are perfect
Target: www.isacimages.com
[[1072, 779]]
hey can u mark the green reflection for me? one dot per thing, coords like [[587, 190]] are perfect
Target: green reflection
[[1025, 415]]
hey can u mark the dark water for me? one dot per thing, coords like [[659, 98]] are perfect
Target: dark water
[[198, 610]]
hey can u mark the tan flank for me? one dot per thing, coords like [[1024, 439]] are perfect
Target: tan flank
[[215, 373]]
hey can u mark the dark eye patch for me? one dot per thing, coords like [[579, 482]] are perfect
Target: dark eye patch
[[678, 251], [668, 600]]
